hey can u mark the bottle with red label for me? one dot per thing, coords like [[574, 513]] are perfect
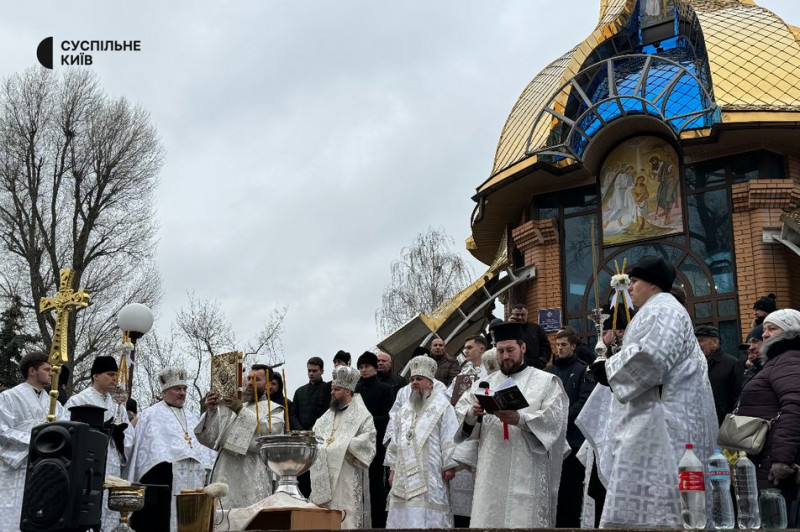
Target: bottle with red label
[[719, 482], [692, 485]]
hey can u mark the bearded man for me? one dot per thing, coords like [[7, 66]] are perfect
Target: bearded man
[[232, 428], [339, 474], [520, 451], [23, 407], [120, 444], [420, 457]]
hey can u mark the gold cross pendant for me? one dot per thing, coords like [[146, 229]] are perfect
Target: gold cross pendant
[[187, 438]]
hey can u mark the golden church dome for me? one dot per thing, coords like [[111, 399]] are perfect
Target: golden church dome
[[750, 73]]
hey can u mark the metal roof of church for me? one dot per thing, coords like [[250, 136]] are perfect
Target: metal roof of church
[[753, 55]]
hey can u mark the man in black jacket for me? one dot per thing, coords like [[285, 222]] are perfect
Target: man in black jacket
[[725, 372], [378, 399], [386, 376], [310, 402], [578, 383], [537, 347]]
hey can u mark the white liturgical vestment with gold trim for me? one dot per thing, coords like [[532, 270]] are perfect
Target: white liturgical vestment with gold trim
[[164, 434], [339, 478], [239, 463], [420, 451]]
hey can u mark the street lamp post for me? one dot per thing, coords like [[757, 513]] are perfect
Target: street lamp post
[[135, 320]]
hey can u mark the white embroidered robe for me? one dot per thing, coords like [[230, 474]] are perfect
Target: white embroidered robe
[[462, 486], [339, 476], [517, 479], [401, 399], [114, 461], [421, 451], [239, 463], [160, 438], [20, 410], [661, 401]]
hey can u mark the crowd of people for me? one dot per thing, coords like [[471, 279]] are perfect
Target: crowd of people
[[509, 435]]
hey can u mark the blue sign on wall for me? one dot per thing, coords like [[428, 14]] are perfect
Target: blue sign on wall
[[550, 319]]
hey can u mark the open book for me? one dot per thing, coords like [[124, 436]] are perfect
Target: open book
[[507, 397]]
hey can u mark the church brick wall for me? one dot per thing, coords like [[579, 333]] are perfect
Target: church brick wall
[[537, 240], [761, 267]]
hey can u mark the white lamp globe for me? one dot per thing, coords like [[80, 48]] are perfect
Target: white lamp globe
[[135, 318]]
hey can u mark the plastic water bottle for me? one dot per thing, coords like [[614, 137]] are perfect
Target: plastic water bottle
[[692, 486], [719, 481], [744, 478]]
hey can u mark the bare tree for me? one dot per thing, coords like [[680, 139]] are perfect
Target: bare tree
[[200, 331], [426, 275], [77, 174]]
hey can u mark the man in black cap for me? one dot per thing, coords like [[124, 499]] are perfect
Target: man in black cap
[[725, 373], [661, 400], [341, 358], [533, 437], [753, 363], [762, 307], [378, 399], [120, 445]]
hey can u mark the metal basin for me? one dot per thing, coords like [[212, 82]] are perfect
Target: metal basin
[[289, 455]]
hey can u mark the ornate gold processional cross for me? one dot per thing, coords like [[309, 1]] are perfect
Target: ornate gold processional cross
[[65, 300]]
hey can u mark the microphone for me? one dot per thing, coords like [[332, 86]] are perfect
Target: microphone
[[484, 385]]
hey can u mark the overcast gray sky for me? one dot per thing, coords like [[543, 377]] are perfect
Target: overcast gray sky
[[309, 141]]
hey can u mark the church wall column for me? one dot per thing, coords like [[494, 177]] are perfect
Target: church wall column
[[537, 240], [762, 268]]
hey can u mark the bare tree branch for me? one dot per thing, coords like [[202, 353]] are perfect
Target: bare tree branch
[[425, 276]]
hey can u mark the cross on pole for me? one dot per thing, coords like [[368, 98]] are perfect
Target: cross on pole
[[64, 301]]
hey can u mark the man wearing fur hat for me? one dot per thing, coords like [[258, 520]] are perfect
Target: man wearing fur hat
[[519, 452], [165, 452], [420, 456], [661, 401], [120, 443], [231, 426], [339, 474], [378, 399]]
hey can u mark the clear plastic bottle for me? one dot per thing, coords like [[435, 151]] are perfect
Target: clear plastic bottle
[[772, 507], [719, 482], [692, 486], [744, 478]]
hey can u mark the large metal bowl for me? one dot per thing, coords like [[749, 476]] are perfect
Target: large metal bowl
[[289, 455]]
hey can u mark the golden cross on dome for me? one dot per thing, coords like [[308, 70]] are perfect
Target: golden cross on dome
[[64, 301]]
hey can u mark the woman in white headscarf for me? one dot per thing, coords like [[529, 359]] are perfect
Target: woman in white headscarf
[[774, 394]]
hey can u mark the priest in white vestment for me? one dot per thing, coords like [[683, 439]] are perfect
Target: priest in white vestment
[[339, 477], [166, 452], [22, 407], [420, 456], [120, 441], [520, 451], [661, 400], [231, 428], [402, 398], [463, 485]]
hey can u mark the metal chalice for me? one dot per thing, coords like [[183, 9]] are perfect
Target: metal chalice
[[289, 455], [125, 499]]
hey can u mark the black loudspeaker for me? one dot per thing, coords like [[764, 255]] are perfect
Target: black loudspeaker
[[64, 480]]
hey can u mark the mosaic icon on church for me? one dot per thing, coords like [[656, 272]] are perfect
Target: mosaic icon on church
[[640, 191]]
